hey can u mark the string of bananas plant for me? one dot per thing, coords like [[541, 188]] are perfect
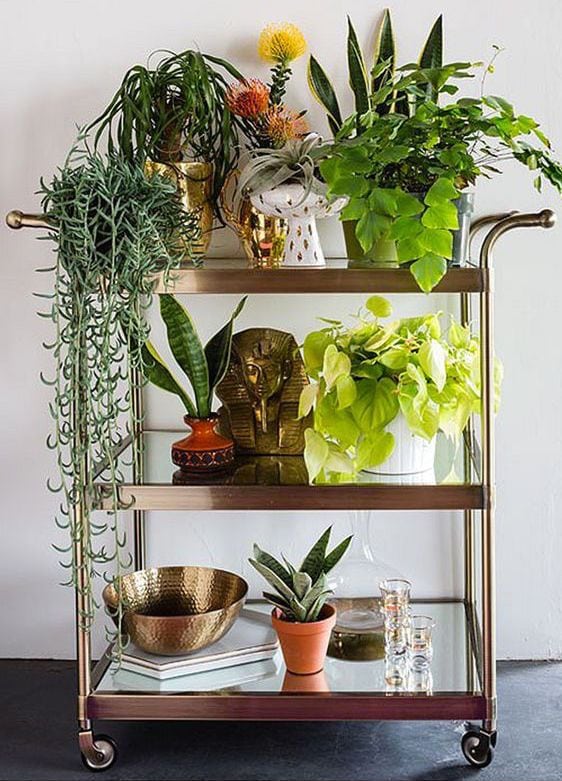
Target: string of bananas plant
[[113, 229]]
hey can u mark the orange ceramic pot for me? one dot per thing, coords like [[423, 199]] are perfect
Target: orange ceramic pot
[[304, 645], [203, 450]]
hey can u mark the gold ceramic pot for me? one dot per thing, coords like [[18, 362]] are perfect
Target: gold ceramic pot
[[174, 610], [194, 184], [262, 236]]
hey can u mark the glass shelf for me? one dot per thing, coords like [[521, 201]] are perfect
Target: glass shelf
[[250, 691], [219, 275], [281, 482]]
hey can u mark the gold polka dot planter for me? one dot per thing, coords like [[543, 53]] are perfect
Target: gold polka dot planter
[[302, 245]]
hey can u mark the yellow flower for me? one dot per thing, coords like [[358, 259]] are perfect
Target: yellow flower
[[281, 43]]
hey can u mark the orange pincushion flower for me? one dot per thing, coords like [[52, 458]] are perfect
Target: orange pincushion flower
[[248, 98], [282, 125]]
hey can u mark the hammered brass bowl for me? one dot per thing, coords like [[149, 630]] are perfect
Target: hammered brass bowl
[[175, 610]]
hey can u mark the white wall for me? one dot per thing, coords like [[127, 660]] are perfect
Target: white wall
[[61, 62]]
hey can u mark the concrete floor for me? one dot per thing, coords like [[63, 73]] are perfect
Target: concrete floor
[[37, 738]]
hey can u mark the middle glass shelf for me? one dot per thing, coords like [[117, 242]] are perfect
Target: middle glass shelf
[[281, 483]]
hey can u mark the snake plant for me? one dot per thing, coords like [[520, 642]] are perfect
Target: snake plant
[[368, 83], [205, 366], [301, 594], [297, 161]]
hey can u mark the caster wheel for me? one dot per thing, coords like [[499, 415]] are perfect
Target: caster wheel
[[477, 748], [102, 756]]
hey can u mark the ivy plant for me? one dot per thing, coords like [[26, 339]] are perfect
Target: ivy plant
[[364, 375]]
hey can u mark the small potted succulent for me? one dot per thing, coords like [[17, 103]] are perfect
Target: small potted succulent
[[380, 393], [203, 450], [301, 615], [286, 182]]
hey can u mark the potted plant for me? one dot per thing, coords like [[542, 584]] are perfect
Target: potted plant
[[405, 161], [174, 119], [301, 616], [113, 229], [380, 393], [203, 450], [287, 182]]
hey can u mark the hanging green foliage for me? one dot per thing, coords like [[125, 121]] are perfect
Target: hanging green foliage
[[113, 230]]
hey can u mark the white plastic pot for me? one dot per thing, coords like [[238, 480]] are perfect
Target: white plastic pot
[[411, 454]]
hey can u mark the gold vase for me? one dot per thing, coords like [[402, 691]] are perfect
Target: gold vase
[[194, 184], [262, 237]]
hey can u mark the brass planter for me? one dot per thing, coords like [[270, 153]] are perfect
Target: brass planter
[[175, 610], [194, 184]]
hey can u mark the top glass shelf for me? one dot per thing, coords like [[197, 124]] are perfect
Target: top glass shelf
[[219, 275]]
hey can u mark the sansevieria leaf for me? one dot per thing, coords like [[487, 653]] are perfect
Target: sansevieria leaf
[[187, 349], [432, 54], [217, 351], [313, 562], [385, 56], [156, 372], [322, 89], [358, 80]]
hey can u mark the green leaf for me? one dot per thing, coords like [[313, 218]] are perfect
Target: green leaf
[[407, 204], [441, 190], [396, 359], [336, 424], [313, 562], [187, 349], [314, 348], [302, 584], [217, 350], [374, 449], [357, 71], [370, 228], [346, 391], [429, 271], [409, 249], [355, 209], [436, 241], [320, 587], [379, 306], [316, 452], [405, 228], [156, 372], [376, 404], [385, 54], [350, 184], [383, 201], [432, 360], [277, 601], [336, 365], [307, 400], [444, 215], [423, 423], [275, 566], [273, 579], [459, 335], [323, 91], [336, 554]]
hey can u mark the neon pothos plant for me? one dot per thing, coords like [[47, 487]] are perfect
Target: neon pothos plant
[[113, 229], [364, 375], [403, 159], [300, 593], [205, 366]]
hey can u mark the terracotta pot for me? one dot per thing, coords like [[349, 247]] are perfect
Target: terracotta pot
[[203, 450], [307, 684], [304, 645]]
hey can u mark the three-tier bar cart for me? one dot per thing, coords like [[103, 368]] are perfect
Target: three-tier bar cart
[[465, 677]]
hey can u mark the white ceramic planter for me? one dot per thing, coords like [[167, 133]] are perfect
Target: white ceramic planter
[[302, 245], [411, 455]]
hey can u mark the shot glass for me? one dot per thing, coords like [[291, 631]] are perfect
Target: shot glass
[[395, 594], [419, 641], [395, 674]]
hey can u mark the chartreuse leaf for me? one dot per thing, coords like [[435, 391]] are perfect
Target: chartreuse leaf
[[441, 190], [357, 71], [405, 228], [334, 423], [376, 404], [346, 391], [379, 306], [432, 360], [323, 91], [444, 215], [156, 372], [407, 204], [316, 452], [422, 419], [459, 335], [314, 348], [428, 271], [374, 448], [339, 462], [336, 364], [436, 241], [355, 209], [313, 562], [187, 349], [396, 359], [307, 399], [409, 249]]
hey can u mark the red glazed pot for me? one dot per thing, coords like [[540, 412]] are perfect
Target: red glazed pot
[[304, 645], [203, 450]]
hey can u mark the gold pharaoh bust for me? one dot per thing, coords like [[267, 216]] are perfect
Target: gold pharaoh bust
[[260, 393]]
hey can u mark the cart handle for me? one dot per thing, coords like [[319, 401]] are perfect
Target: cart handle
[[543, 219], [17, 219]]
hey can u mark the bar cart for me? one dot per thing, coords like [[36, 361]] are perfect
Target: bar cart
[[465, 688]]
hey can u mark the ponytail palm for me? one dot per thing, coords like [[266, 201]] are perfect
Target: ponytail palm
[[204, 366]]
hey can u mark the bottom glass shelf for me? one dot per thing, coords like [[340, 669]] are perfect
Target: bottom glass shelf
[[345, 689]]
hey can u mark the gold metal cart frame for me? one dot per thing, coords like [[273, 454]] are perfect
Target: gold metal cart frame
[[476, 494]]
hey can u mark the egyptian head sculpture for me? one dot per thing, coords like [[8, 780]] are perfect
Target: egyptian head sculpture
[[260, 393]]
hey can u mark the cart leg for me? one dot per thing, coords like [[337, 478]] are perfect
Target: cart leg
[[139, 519]]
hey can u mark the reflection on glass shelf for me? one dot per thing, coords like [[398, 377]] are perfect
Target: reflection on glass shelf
[[289, 470], [452, 668]]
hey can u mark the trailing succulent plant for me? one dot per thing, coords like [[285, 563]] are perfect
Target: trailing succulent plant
[[301, 594], [296, 162], [205, 366]]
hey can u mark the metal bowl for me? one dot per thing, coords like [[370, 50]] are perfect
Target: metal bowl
[[174, 610]]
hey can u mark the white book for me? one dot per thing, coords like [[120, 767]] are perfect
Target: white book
[[251, 639]]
